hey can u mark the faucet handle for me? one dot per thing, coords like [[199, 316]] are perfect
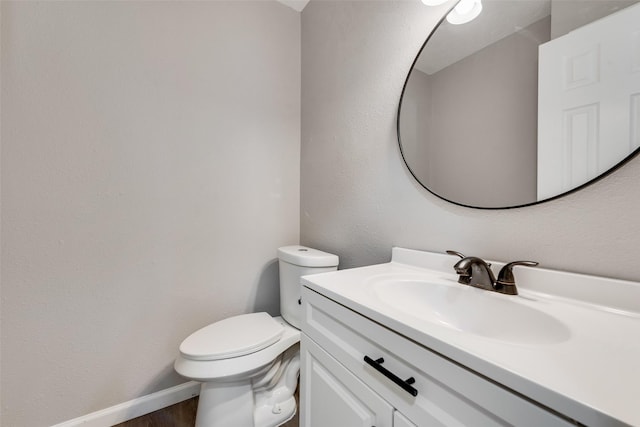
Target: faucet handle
[[462, 256], [506, 282], [456, 253]]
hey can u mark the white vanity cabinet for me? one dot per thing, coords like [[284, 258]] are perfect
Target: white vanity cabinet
[[400, 420], [335, 397], [338, 388]]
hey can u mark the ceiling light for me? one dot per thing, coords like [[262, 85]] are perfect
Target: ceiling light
[[465, 11], [434, 2]]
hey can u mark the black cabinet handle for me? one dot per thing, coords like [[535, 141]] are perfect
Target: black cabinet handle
[[403, 384]]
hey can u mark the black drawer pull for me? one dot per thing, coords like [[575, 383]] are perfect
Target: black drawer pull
[[405, 385]]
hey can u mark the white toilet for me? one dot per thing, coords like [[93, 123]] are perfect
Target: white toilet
[[249, 364]]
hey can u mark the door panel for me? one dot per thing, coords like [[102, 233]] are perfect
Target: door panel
[[333, 396], [589, 86]]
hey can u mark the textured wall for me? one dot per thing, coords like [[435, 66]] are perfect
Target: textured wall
[[357, 198], [150, 170], [569, 15]]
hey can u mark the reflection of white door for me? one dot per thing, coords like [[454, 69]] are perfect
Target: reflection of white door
[[588, 102]]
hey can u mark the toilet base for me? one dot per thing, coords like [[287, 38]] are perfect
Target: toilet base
[[266, 400], [267, 417], [225, 406], [229, 407]]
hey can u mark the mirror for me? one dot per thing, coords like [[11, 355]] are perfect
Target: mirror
[[531, 100]]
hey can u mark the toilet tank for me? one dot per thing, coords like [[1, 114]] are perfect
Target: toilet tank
[[295, 262]]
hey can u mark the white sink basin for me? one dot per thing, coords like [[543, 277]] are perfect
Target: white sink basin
[[470, 310]]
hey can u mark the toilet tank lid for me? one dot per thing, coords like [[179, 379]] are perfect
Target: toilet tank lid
[[232, 337], [307, 257]]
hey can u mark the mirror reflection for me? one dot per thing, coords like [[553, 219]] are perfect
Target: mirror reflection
[[528, 101]]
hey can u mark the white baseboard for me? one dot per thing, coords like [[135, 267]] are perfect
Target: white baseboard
[[137, 407]]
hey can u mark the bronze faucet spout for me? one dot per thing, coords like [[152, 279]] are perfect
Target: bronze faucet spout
[[476, 272]]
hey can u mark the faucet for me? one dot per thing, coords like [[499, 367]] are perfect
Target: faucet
[[476, 272]]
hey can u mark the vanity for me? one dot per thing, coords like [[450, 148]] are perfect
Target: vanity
[[404, 344], [410, 342]]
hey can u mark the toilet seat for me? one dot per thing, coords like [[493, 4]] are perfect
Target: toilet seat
[[236, 368], [232, 337]]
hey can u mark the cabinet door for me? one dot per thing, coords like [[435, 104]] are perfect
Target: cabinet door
[[330, 395], [400, 420]]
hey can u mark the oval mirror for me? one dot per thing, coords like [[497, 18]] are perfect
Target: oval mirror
[[529, 101]]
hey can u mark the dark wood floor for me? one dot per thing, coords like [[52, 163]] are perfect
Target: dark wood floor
[[182, 414]]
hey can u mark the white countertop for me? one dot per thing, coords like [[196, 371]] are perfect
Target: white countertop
[[590, 372]]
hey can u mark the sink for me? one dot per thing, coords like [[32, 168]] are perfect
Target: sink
[[469, 310]]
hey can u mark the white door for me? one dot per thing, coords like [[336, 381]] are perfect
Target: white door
[[589, 101], [331, 396]]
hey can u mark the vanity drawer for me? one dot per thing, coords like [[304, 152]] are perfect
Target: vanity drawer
[[447, 394]]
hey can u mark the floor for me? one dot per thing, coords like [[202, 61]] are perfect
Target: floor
[[182, 414]]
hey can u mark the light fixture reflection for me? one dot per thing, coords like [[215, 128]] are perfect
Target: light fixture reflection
[[434, 2], [465, 11]]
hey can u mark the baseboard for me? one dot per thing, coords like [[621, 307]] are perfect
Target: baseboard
[[135, 408]]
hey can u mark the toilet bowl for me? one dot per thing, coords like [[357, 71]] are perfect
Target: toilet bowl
[[249, 364]]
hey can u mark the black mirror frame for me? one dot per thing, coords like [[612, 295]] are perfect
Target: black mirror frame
[[621, 163]]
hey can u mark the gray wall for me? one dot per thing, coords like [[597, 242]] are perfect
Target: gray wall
[[569, 15], [415, 127], [357, 198], [150, 170]]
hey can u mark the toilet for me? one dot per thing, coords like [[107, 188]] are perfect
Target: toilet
[[249, 364]]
